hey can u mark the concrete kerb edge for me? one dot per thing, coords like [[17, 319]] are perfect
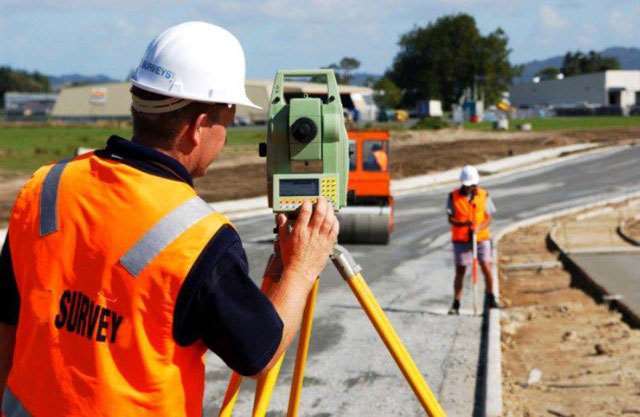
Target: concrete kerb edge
[[499, 167], [255, 206], [622, 231], [595, 289], [493, 399], [248, 207]]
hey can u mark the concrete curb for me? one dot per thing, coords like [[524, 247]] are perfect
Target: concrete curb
[[509, 164], [493, 398], [256, 206], [596, 289], [247, 207], [622, 231]]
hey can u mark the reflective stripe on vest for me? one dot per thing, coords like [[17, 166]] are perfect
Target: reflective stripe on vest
[[85, 313], [163, 233], [11, 406], [49, 199]]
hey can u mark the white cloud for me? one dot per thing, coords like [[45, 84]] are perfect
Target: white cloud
[[10, 7], [551, 19], [624, 22], [586, 36]]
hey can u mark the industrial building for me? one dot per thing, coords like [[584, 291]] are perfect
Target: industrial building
[[93, 102], [613, 89], [113, 101], [28, 106]]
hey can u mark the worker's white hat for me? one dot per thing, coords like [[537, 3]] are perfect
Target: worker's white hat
[[469, 175], [193, 61]]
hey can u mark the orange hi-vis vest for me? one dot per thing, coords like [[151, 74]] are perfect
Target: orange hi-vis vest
[[381, 159], [465, 211], [100, 251]]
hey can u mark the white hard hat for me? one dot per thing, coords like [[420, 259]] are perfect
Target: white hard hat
[[469, 175], [196, 61]]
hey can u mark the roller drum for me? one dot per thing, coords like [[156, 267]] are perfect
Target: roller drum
[[365, 224]]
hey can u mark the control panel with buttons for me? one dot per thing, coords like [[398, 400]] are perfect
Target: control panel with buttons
[[291, 191]]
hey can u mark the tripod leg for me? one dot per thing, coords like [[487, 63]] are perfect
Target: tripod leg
[[350, 271], [231, 395], [265, 384], [303, 350], [264, 389]]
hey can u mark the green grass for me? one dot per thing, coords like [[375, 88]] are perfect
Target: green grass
[[25, 148], [568, 123]]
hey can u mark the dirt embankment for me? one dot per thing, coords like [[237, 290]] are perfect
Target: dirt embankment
[[413, 153], [248, 180], [562, 353]]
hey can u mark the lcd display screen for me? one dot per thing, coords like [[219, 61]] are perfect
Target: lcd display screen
[[299, 187]]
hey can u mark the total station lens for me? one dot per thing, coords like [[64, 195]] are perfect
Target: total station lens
[[304, 130]]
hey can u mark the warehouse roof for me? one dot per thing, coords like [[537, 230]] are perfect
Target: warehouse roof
[[113, 100]]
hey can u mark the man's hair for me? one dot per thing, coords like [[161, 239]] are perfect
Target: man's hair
[[160, 130]]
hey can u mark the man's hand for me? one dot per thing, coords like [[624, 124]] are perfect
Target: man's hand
[[305, 247]]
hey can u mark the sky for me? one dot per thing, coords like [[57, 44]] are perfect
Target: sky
[[109, 37]]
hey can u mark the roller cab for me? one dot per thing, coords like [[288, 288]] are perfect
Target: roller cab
[[368, 217]]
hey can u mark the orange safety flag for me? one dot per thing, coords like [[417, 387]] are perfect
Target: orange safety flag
[[100, 251]]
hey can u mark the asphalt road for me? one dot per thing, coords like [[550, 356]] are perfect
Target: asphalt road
[[350, 372]]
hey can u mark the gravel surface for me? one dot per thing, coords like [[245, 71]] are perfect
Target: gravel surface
[[563, 354]]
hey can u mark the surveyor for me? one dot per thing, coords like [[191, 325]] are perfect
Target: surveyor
[[470, 209], [116, 277]]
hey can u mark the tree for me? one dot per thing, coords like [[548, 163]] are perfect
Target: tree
[[347, 65], [22, 81], [444, 58], [387, 94], [548, 73], [343, 70], [579, 63]]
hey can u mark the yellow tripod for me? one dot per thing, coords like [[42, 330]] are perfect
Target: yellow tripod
[[350, 272]]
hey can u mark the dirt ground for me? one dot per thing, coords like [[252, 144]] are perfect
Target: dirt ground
[[562, 353], [633, 228], [240, 173], [412, 153]]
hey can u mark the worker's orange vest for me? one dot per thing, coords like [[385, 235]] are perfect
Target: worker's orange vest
[[100, 251], [381, 159], [473, 211]]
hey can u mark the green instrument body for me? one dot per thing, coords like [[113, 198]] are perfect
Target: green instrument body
[[307, 147]]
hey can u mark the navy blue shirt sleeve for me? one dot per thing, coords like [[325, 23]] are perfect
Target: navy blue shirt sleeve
[[220, 305], [9, 297]]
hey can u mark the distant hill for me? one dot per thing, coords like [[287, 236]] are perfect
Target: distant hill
[[629, 58], [58, 82]]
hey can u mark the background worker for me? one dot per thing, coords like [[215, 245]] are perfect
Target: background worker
[[470, 209], [116, 277], [378, 159]]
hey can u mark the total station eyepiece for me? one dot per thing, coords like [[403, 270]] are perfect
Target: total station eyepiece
[[304, 130]]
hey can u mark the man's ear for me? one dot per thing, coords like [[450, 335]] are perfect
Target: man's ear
[[196, 128]]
